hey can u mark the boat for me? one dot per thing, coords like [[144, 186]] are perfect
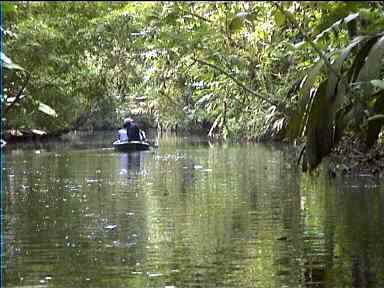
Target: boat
[[127, 146]]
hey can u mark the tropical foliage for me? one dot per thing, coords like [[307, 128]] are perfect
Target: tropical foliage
[[266, 70]]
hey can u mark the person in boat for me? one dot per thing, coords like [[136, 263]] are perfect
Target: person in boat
[[131, 132], [122, 133]]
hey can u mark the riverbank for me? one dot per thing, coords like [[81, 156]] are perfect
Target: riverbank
[[352, 156]]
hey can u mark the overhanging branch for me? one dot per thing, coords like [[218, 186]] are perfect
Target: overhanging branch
[[279, 105], [18, 95], [196, 15]]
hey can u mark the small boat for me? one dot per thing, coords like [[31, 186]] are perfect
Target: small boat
[[126, 146]]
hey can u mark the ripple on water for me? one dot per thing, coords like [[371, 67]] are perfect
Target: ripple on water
[[224, 216]]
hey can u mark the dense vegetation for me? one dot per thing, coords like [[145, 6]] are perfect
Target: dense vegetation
[[272, 70]]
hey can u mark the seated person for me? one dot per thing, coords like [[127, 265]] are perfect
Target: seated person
[[130, 132], [122, 133]]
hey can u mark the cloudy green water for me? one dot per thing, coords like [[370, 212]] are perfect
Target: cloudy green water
[[186, 214]]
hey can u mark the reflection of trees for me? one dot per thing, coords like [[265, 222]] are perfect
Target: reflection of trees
[[246, 222], [58, 207], [225, 222], [362, 231], [344, 219]]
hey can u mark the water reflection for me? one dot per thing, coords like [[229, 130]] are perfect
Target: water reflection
[[187, 216], [132, 163]]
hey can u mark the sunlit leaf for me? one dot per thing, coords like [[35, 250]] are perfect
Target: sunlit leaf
[[204, 99], [8, 7], [376, 117], [6, 62], [47, 109], [247, 17], [299, 44], [279, 18], [38, 132], [378, 83], [215, 124]]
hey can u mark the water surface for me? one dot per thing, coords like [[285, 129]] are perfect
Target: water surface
[[187, 214]]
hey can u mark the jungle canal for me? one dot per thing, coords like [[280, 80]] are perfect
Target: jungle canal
[[186, 214]]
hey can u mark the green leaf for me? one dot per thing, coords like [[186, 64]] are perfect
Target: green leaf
[[337, 65], [376, 117], [100, 28], [46, 109], [9, 7], [373, 63], [171, 18], [152, 17], [319, 129], [279, 18], [341, 92], [330, 29], [296, 123], [234, 60], [360, 58], [309, 81], [236, 24], [337, 24]]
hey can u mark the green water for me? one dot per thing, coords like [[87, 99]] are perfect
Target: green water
[[186, 214]]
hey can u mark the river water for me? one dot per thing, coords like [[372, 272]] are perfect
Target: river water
[[185, 214]]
